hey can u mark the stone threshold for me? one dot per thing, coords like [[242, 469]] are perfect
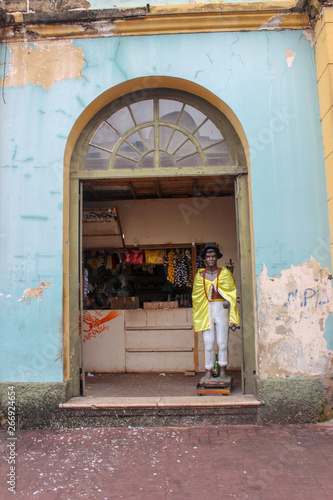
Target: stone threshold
[[90, 402]]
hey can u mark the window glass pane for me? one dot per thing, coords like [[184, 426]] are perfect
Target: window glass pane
[[124, 163], [177, 139], [217, 155], [105, 137], [191, 118], [97, 159], [148, 161], [208, 134], [166, 160], [169, 110], [143, 111], [186, 149], [165, 133], [136, 140], [126, 150], [148, 135], [191, 161], [121, 121]]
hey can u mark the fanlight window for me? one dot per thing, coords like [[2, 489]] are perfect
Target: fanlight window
[[156, 133]]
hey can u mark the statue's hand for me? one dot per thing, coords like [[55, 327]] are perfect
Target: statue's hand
[[226, 304]]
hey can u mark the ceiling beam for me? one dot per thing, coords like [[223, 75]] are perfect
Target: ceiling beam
[[158, 190], [195, 188], [92, 191], [131, 188]]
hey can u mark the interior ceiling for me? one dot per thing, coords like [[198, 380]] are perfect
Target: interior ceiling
[[153, 188]]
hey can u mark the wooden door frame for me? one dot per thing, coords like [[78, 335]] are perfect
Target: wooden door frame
[[72, 178], [246, 283]]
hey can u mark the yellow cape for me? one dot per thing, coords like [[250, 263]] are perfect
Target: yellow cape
[[227, 289]]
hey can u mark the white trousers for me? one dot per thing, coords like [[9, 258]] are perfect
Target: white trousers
[[219, 323]]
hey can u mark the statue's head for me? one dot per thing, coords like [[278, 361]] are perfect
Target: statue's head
[[211, 248]]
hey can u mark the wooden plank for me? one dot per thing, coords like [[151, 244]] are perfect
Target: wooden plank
[[133, 193], [159, 361], [158, 349], [246, 284], [174, 340], [163, 328], [74, 339], [151, 173]]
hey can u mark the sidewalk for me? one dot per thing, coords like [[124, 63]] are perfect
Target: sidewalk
[[220, 462]]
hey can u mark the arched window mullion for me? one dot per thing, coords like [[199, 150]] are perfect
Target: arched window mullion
[[156, 134], [139, 128], [201, 124], [133, 147], [174, 129], [181, 145], [100, 147], [127, 158], [184, 131], [190, 154], [212, 145]]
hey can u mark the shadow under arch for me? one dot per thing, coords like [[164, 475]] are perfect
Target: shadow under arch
[[71, 341]]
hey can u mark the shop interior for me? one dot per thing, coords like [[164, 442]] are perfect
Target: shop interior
[[141, 246]]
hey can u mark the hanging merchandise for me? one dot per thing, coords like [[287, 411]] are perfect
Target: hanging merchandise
[[171, 267], [110, 261], [165, 261], [178, 274], [86, 283], [133, 257], [200, 262], [184, 270], [189, 267], [154, 256]]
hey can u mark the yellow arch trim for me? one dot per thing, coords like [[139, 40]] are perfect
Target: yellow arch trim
[[90, 111]]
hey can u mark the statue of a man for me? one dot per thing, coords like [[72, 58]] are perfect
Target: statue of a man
[[214, 299]]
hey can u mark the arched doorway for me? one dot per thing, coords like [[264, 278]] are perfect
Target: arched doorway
[[163, 143]]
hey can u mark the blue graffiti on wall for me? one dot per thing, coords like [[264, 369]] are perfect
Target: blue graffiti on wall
[[305, 298]]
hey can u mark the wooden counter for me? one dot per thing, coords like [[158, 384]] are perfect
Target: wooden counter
[[140, 341]]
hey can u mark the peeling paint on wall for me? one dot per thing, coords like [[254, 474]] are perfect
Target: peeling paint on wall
[[290, 55], [310, 36], [43, 63], [292, 313], [273, 24], [35, 292]]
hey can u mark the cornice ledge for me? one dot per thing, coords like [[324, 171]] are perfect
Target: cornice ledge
[[217, 17]]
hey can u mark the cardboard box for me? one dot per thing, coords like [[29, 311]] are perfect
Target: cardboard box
[[124, 303], [161, 305]]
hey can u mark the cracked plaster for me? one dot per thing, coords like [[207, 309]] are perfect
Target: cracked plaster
[[292, 313], [43, 63]]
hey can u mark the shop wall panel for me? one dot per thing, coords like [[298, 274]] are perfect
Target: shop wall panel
[[167, 317], [159, 361], [104, 350], [160, 339]]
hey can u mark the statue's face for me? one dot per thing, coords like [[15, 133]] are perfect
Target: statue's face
[[211, 258]]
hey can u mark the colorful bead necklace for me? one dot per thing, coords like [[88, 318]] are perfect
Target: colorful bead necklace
[[217, 285]]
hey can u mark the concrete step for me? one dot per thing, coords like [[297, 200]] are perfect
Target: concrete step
[[176, 411]]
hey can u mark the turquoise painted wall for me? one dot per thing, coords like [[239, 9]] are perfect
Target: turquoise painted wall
[[277, 105]]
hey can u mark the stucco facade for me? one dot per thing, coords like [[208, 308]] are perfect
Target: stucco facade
[[262, 65]]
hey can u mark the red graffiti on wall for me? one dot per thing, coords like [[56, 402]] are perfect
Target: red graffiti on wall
[[96, 324]]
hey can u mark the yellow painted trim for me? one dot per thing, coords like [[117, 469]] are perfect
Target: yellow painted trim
[[220, 17], [82, 121], [324, 65], [65, 285], [206, 23]]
